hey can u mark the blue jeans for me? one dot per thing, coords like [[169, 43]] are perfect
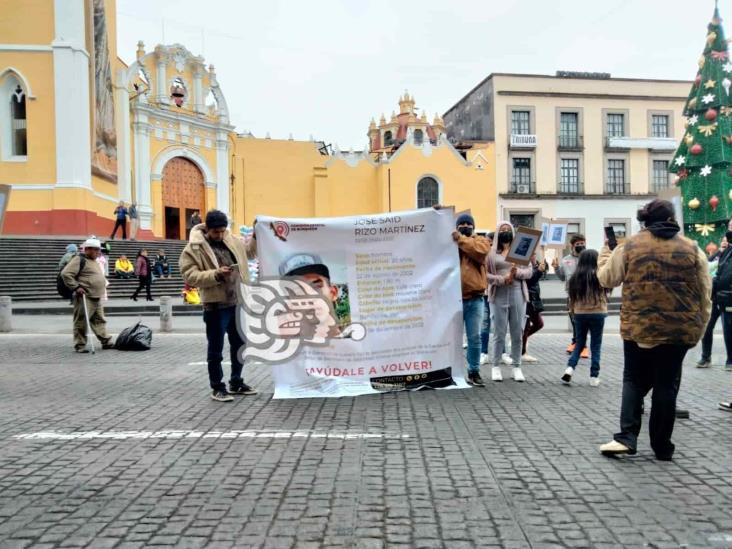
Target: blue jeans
[[594, 324], [473, 319], [161, 270], [485, 330], [221, 322]]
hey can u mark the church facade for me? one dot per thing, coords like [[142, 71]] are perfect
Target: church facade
[[81, 130]]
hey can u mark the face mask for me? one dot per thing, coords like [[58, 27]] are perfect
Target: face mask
[[579, 249], [505, 238], [466, 231], [729, 236]]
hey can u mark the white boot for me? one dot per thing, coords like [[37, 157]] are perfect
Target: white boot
[[518, 375], [496, 373]]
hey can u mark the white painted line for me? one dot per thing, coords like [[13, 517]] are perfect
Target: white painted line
[[204, 363], [180, 434]]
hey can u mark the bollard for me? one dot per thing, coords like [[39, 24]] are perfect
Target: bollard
[[6, 310], [166, 314]]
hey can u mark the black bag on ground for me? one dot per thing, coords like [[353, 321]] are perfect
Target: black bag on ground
[[134, 338], [62, 289]]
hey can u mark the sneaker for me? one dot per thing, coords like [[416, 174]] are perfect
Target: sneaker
[[221, 396], [475, 379], [704, 363], [570, 348], [594, 382], [615, 448], [567, 377], [496, 373], [484, 358], [728, 367], [529, 359], [506, 359], [242, 389], [726, 406], [518, 375], [585, 353], [108, 344], [682, 414], [81, 349]]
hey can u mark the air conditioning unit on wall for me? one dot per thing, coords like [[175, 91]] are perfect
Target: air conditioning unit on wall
[[523, 189]]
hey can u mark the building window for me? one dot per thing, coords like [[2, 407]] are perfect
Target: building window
[[178, 92], [620, 229], [615, 125], [521, 175], [428, 192], [569, 176], [388, 139], [418, 137], [522, 220], [660, 178], [659, 125], [616, 177], [568, 130], [18, 123], [520, 123]]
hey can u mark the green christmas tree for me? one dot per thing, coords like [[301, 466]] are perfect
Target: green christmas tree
[[703, 161]]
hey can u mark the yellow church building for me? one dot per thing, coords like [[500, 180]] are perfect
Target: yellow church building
[[81, 130]]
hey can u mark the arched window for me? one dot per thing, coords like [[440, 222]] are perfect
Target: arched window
[[13, 124], [19, 139], [388, 139], [428, 192], [418, 137]]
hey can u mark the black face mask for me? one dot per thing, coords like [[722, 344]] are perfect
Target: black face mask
[[579, 249], [728, 234], [466, 231], [505, 238]]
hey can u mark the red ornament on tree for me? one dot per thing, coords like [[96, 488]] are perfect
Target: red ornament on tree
[[696, 149], [714, 202], [710, 115], [697, 80]]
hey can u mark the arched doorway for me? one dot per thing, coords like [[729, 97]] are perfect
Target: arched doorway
[[183, 193]]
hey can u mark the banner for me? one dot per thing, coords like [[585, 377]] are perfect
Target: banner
[[356, 305]]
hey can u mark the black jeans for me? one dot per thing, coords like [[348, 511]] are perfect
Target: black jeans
[[659, 369], [145, 282], [120, 223], [221, 322]]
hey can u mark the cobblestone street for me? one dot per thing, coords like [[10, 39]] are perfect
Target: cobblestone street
[[512, 465]]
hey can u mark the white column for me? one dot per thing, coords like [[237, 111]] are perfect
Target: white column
[[222, 172], [122, 106], [143, 193], [71, 95], [161, 84], [198, 97]]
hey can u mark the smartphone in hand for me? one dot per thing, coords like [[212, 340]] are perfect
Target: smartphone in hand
[[612, 242]]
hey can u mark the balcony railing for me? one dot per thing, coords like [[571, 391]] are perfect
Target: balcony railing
[[570, 143], [523, 141], [571, 188], [615, 187]]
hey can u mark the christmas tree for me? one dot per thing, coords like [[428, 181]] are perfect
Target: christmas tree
[[703, 161]]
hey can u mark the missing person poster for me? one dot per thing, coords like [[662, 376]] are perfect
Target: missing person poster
[[356, 305]]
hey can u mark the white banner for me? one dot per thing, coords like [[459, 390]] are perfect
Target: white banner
[[381, 310]]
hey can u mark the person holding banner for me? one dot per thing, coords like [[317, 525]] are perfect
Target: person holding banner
[[473, 250], [508, 295], [214, 261]]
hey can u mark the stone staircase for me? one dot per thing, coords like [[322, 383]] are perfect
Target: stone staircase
[[28, 267]]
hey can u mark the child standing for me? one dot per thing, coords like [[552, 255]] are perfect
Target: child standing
[[588, 303]]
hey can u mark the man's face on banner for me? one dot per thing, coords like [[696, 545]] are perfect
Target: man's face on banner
[[323, 285]]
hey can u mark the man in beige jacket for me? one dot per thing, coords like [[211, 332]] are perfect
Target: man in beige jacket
[[88, 280], [215, 261]]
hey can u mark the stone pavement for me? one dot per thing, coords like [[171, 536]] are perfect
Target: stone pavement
[[511, 465]]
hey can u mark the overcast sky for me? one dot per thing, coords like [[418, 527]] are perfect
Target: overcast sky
[[325, 68]]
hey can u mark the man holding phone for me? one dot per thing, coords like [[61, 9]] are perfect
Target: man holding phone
[[211, 262]]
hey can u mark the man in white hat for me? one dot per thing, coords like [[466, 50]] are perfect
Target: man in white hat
[[83, 277]]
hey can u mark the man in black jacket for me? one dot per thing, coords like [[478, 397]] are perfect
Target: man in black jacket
[[722, 296]]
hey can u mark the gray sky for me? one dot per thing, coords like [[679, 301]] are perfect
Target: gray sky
[[325, 68]]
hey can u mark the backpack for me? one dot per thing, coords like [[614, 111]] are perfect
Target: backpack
[[134, 338], [62, 289]]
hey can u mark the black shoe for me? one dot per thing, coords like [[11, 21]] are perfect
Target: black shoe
[[150, 299], [660, 457], [682, 414], [475, 379], [108, 344], [704, 363], [81, 349], [134, 298], [242, 389], [221, 396]]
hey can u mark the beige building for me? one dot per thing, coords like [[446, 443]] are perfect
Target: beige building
[[581, 147]]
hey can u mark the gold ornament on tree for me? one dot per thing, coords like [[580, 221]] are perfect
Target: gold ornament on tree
[[701, 62], [694, 204], [711, 37], [689, 139], [726, 111], [709, 84], [704, 228], [708, 129]]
